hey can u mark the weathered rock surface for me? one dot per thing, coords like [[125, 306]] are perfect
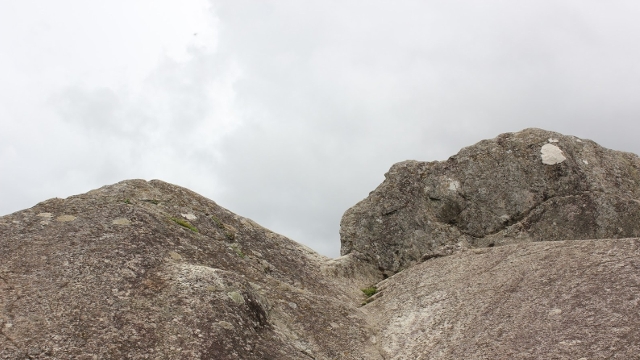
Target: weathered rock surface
[[116, 273], [531, 185], [542, 300], [150, 270]]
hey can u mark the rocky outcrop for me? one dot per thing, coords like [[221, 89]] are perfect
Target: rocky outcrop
[[150, 270], [527, 186]]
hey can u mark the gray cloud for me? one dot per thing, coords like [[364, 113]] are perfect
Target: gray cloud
[[300, 107], [342, 91]]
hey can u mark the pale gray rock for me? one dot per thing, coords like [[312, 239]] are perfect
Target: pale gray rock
[[542, 300], [531, 185]]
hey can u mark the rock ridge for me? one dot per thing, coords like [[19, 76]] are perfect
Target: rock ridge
[[504, 190], [531, 240], [151, 270]]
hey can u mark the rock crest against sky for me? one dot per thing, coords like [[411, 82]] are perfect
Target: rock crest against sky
[[140, 269], [143, 269], [531, 185], [289, 112]]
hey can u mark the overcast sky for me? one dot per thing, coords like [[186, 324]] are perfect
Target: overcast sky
[[290, 112]]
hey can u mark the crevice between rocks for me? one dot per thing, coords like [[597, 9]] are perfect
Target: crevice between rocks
[[522, 216]]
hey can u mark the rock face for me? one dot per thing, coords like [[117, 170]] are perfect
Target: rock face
[[543, 300], [150, 270], [532, 185]]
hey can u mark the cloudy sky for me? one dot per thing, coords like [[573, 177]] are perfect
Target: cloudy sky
[[290, 112]]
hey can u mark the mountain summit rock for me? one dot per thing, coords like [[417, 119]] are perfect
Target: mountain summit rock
[[520, 247], [532, 185], [150, 270]]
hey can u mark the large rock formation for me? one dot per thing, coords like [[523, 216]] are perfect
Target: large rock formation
[[150, 270], [542, 300], [532, 185]]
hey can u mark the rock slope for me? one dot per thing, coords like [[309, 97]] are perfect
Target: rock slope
[[531, 185], [542, 300], [150, 270]]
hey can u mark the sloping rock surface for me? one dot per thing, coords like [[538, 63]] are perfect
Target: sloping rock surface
[[531, 185], [543, 300], [149, 270]]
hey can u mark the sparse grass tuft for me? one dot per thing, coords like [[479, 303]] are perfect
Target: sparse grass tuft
[[230, 235], [236, 248], [185, 223], [370, 291], [218, 222]]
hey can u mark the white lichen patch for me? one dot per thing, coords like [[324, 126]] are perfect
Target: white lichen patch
[[121, 221], [551, 155], [236, 297], [570, 342], [199, 276], [454, 185], [225, 325], [555, 312], [45, 215], [189, 216], [65, 218]]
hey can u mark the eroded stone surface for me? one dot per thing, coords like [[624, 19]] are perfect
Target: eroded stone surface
[[522, 301], [98, 287], [495, 192], [87, 286]]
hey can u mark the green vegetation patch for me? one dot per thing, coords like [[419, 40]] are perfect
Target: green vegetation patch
[[185, 223], [227, 230], [217, 221], [370, 291], [236, 248]]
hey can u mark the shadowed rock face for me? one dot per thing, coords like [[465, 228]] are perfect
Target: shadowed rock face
[[150, 270], [528, 186]]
